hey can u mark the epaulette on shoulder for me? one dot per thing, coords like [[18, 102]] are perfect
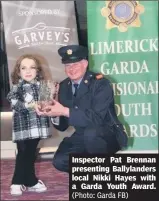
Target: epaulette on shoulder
[[99, 76]]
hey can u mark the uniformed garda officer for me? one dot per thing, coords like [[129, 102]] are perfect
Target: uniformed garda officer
[[86, 102]]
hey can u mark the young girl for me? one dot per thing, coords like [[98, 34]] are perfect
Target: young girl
[[28, 127]]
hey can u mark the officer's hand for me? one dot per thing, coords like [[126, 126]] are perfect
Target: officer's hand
[[56, 109]]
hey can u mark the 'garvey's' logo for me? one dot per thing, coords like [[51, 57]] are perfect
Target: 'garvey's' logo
[[40, 35], [122, 14]]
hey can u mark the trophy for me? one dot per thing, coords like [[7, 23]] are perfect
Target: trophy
[[47, 92]]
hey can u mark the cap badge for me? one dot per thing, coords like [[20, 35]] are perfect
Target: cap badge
[[69, 52]]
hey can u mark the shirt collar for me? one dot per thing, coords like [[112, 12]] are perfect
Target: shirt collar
[[78, 82]]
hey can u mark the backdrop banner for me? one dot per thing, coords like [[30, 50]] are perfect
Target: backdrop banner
[[123, 45], [39, 27]]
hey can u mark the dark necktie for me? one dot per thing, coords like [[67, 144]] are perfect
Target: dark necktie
[[76, 89]]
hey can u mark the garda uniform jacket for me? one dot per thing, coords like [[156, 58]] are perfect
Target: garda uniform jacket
[[93, 108]]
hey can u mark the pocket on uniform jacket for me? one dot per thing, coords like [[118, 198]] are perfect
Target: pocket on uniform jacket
[[121, 136], [105, 131], [108, 129]]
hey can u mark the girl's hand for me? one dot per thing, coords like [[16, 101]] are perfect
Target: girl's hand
[[56, 109], [30, 105], [38, 109]]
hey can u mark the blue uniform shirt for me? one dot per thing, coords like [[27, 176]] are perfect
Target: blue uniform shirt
[[73, 88]]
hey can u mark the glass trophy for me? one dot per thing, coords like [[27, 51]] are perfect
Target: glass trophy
[[47, 92]]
